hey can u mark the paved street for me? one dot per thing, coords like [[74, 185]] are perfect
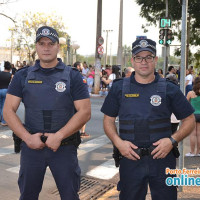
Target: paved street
[[95, 157]]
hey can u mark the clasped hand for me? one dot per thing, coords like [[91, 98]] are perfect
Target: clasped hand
[[53, 141], [163, 147]]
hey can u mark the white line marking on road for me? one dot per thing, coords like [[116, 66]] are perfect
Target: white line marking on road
[[14, 169], [106, 170], [6, 150], [92, 145], [6, 134]]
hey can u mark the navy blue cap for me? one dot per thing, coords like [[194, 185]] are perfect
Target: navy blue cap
[[144, 45], [49, 32]]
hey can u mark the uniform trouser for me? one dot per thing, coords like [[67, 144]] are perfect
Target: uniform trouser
[[136, 175], [64, 167]]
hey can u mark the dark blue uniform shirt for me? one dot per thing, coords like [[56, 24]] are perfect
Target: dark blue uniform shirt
[[78, 87], [176, 101]]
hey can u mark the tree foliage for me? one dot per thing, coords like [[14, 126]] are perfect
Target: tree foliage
[[4, 3], [24, 32], [153, 10]]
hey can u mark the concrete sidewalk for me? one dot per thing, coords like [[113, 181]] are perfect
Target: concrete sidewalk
[[187, 193]]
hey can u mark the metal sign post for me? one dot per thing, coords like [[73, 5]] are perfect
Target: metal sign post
[[97, 55], [165, 33], [183, 67]]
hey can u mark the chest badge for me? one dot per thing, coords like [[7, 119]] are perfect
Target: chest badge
[[155, 100], [60, 86]]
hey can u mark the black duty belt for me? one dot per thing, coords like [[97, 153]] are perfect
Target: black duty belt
[[67, 141], [147, 151], [64, 142], [144, 151]]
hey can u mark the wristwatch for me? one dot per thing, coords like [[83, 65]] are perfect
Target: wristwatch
[[174, 142]]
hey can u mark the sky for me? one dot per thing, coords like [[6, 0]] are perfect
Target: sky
[[80, 17]]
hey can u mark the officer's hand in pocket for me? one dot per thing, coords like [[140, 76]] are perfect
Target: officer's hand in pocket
[[34, 141], [53, 141], [164, 146], [126, 148]]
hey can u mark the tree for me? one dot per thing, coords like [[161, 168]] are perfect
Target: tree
[[153, 10], [5, 2], [25, 29]]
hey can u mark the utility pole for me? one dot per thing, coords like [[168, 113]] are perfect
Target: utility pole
[[119, 51], [68, 56], [97, 56], [11, 47], [110, 54], [106, 54], [183, 67]]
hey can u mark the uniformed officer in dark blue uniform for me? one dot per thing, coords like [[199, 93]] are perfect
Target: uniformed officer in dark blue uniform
[[51, 92], [144, 103]]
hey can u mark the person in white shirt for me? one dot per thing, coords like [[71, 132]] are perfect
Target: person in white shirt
[[85, 70], [188, 81]]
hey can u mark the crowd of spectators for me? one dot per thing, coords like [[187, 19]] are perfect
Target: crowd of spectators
[[7, 71], [5, 78], [192, 92], [107, 75]]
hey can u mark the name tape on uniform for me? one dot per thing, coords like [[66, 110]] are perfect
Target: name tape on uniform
[[34, 82], [132, 95]]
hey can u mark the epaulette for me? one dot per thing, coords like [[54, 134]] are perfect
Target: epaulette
[[117, 79]]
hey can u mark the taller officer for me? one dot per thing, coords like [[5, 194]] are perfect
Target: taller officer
[[144, 103], [57, 105]]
